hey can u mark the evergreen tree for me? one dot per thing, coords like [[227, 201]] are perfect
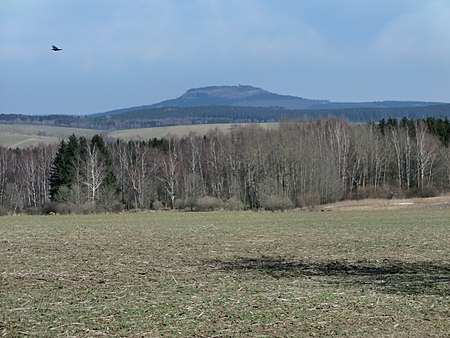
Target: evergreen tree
[[59, 175], [66, 166]]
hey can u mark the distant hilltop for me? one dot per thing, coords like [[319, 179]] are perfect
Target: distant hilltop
[[236, 104], [249, 96], [241, 95]]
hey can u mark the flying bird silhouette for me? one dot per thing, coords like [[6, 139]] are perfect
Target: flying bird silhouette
[[55, 49]]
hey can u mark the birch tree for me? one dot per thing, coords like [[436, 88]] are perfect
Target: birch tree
[[426, 152], [169, 163]]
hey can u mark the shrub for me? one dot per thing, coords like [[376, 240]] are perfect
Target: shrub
[[209, 203], [49, 208], [179, 204], [4, 211], [72, 208], [88, 208], [185, 204], [234, 204], [190, 203], [427, 191], [308, 200], [33, 211], [157, 205], [108, 201], [64, 208], [274, 202], [381, 192]]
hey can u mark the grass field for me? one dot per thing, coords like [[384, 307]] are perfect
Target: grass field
[[181, 131], [345, 273], [23, 136]]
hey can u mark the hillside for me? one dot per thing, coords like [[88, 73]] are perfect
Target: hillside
[[235, 104], [243, 96], [142, 117], [23, 136], [180, 131], [249, 96], [155, 117]]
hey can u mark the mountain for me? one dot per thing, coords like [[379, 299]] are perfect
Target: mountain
[[248, 96], [145, 117], [243, 96], [236, 104]]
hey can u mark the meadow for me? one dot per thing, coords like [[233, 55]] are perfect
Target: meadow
[[180, 131], [25, 136], [219, 274]]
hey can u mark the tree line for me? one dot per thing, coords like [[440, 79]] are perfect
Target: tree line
[[298, 164], [147, 116]]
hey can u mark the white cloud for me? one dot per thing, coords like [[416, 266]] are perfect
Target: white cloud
[[114, 33], [250, 31], [423, 34]]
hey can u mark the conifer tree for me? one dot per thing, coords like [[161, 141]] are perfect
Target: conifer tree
[[66, 166], [59, 175]]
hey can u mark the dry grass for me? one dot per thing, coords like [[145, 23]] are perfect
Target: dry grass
[[365, 273], [180, 131], [391, 204], [23, 136]]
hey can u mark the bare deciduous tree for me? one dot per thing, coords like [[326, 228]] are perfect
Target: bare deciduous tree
[[94, 172], [169, 162]]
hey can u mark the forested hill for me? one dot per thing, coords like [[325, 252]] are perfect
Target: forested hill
[[237, 104], [142, 117], [243, 96], [248, 96]]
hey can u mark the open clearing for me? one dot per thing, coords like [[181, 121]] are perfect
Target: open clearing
[[442, 201], [180, 131], [347, 273], [24, 136]]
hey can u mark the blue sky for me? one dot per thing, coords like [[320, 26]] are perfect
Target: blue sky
[[122, 53]]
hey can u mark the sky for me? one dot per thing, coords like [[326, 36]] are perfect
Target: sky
[[124, 53]]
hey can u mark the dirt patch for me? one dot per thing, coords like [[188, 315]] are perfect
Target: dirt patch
[[391, 276], [227, 274], [391, 204]]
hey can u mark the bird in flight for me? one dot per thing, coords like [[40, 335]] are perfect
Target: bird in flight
[[55, 49]]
